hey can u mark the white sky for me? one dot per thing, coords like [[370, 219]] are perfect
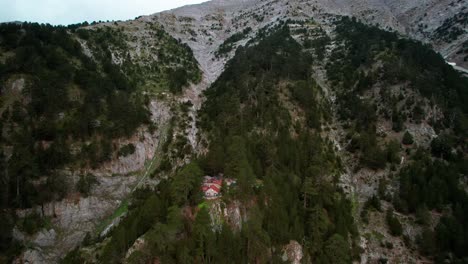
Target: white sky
[[75, 11]]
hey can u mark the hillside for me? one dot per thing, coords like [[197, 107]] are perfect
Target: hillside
[[345, 137], [206, 26], [84, 110]]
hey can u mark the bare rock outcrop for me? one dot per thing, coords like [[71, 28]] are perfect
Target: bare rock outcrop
[[292, 252], [144, 141]]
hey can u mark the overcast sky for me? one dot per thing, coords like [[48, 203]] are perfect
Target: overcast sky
[[66, 12]]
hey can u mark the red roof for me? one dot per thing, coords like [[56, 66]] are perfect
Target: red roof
[[214, 188]]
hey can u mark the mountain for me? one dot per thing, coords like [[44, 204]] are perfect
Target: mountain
[[338, 125], [439, 23]]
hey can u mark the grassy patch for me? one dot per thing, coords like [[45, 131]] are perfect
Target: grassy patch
[[202, 204], [354, 204], [122, 209]]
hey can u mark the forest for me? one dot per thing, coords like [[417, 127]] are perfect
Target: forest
[[62, 108], [432, 179], [71, 99], [286, 184], [264, 123]]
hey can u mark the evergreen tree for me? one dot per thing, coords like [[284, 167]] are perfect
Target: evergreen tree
[[337, 250], [407, 138], [393, 223]]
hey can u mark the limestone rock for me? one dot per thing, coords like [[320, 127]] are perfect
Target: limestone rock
[[293, 252], [45, 238]]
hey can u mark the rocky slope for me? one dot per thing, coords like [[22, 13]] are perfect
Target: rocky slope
[[209, 30], [428, 21], [206, 26], [146, 54]]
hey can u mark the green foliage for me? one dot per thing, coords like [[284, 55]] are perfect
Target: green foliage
[[337, 250], [423, 215], [139, 220], [73, 257], [393, 223], [126, 150], [186, 185], [442, 146], [372, 155], [9, 248], [85, 183], [393, 151], [32, 223], [304, 92], [428, 184], [373, 202], [451, 234], [407, 138], [427, 242], [229, 43], [74, 100], [174, 69], [404, 60], [78, 105], [241, 103]]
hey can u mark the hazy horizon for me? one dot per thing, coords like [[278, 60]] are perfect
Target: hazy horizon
[[59, 12]]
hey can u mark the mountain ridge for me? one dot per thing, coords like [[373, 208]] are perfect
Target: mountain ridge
[[389, 14], [372, 102]]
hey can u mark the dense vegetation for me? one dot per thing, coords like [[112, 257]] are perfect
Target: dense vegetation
[[286, 174], [67, 112], [63, 104], [402, 62], [434, 184], [253, 138], [67, 98], [264, 120], [162, 63], [432, 179]]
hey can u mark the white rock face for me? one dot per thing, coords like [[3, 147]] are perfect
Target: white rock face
[[145, 144], [74, 216], [74, 219], [233, 216], [46, 238], [31, 256], [18, 85], [293, 252]]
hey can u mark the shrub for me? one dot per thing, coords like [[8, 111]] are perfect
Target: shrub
[[407, 138], [32, 223], [126, 150], [394, 225], [85, 183]]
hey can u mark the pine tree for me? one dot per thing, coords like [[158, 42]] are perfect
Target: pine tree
[[393, 223], [201, 233], [337, 250], [407, 138]]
